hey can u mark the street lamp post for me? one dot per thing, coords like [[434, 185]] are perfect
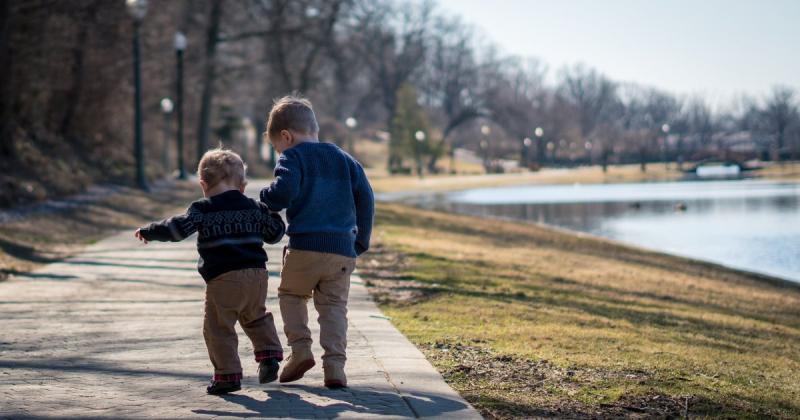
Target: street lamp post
[[588, 147], [180, 45], [539, 133], [351, 124], [485, 130], [665, 130], [137, 9], [420, 136], [166, 109], [526, 145], [484, 145]]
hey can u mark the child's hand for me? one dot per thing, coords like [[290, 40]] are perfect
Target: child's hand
[[139, 236]]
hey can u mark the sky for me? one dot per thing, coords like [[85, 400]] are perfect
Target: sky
[[716, 48]]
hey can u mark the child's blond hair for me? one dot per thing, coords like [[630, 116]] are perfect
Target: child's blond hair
[[219, 165]]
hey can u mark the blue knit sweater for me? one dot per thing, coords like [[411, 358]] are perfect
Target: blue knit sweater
[[328, 200]]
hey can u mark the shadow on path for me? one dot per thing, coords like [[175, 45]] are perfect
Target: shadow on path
[[34, 275], [137, 266], [87, 365], [139, 248], [348, 400], [110, 301], [24, 252]]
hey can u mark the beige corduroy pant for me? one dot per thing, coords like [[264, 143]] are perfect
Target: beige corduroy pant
[[238, 295], [324, 277]]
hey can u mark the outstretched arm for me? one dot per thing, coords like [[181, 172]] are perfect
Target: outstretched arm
[[283, 190], [173, 229]]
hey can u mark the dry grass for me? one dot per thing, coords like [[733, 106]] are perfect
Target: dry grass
[[373, 155], [653, 333], [583, 175], [787, 171], [382, 182], [41, 237]]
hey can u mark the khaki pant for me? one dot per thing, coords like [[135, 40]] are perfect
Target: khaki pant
[[238, 296], [326, 278]]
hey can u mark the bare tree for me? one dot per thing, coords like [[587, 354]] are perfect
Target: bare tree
[[593, 96], [392, 41], [701, 122], [450, 82], [7, 94], [515, 97], [209, 74], [662, 109], [348, 81], [680, 129], [558, 122], [298, 34], [780, 111]]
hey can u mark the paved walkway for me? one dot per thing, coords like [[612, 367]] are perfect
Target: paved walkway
[[115, 332]]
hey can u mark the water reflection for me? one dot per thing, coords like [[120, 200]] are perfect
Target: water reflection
[[751, 225]]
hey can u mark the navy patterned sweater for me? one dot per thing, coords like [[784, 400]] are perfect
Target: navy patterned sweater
[[231, 229], [328, 200]]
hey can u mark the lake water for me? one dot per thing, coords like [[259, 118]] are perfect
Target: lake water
[[746, 224]]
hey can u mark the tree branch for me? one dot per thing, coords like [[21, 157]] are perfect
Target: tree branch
[[259, 34]]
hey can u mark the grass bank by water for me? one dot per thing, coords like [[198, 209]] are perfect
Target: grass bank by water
[[525, 320]]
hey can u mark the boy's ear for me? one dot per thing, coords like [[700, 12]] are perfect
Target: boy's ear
[[203, 185], [287, 136]]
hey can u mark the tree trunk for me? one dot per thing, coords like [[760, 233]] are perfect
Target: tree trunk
[[540, 151], [642, 159], [305, 82], [452, 154], [209, 75], [280, 61], [432, 163], [74, 93], [395, 162], [7, 94], [781, 131]]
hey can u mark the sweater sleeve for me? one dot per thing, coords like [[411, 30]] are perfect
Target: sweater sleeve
[[282, 191], [273, 227], [365, 209], [175, 228]]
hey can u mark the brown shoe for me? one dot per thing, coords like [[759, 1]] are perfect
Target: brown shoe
[[335, 377], [297, 364]]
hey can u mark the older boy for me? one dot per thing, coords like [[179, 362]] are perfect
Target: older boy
[[231, 231], [329, 208]]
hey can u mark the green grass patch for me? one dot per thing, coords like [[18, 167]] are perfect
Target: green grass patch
[[527, 321]]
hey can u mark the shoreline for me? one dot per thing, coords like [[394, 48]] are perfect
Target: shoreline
[[772, 280], [402, 198], [765, 277]]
